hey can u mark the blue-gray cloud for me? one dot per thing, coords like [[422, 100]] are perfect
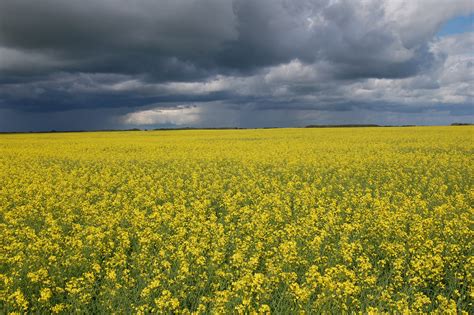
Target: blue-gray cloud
[[120, 60]]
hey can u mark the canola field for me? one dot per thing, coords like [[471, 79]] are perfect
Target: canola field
[[238, 221]]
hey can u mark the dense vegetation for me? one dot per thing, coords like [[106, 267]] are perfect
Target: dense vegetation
[[290, 220]]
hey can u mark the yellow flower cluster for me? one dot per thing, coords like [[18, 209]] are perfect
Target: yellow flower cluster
[[367, 220]]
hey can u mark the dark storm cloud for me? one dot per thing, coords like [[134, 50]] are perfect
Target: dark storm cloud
[[324, 55], [186, 40], [166, 39]]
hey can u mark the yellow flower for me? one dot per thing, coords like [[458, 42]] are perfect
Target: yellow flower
[[58, 308], [45, 295], [19, 299]]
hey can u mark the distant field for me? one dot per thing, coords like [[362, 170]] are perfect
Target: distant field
[[219, 221]]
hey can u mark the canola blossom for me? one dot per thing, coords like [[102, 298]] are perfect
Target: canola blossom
[[267, 221]]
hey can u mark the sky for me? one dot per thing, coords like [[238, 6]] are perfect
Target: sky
[[119, 64]]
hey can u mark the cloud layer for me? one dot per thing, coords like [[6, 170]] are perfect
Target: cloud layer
[[218, 62]]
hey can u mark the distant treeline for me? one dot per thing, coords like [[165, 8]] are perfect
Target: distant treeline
[[219, 128], [373, 125], [344, 126], [132, 129], [209, 128], [68, 131]]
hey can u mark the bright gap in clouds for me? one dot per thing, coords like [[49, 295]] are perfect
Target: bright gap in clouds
[[179, 116], [458, 25]]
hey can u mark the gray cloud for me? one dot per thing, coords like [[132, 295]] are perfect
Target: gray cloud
[[120, 59]]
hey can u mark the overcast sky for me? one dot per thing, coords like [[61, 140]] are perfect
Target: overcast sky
[[96, 64]]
